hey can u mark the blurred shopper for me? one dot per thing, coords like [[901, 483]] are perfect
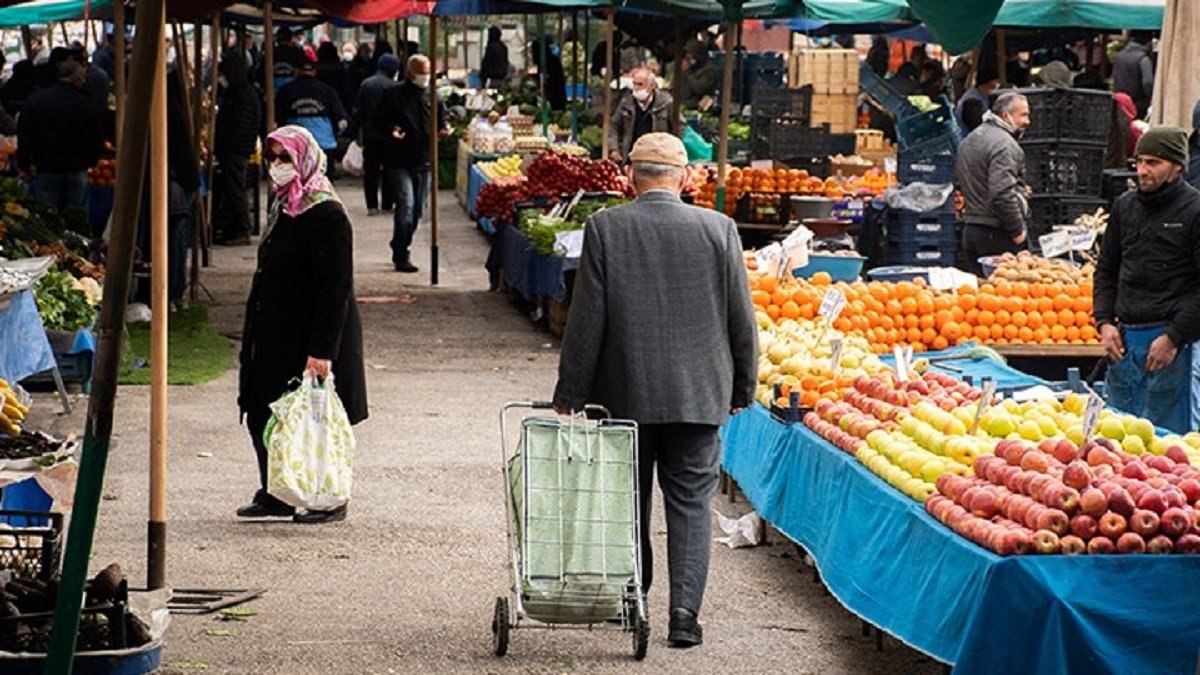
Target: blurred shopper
[[613, 354], [301, 316], [59, 139], [333, 73], [644, 109], [372, 135], [494, 69], [1133, 71], [990, 172], [987, 80], [699, 74], [314, 105], [239, 118], [405, 113]]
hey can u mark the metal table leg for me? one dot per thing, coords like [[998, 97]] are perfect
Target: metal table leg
[[62, 389]]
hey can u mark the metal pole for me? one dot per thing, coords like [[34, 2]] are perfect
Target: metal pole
[[677, 80], [608, 77], [726, 103], [269, 62], [543, 54], [156, 531], [1002, 55], [214, 47], [576, 57], [98, 434], [434, 128], [119, 65], [587, 59]]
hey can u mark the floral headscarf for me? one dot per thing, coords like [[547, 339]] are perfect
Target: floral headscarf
[[310, 187]]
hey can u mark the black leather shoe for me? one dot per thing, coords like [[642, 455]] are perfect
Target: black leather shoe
[[333, 516], [684, 630], [258, 510], [406, 266]]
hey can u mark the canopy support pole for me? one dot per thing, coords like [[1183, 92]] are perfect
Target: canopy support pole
[[98, 434], [731, 40], [119, 65], [608, 78], [1002, 55], [677, 80], [434, 138], [576, 58], [156, 527], [269, 62], [543, 54], [214, 48]]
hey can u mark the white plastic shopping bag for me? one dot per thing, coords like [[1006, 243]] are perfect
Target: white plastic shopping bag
[[310, 447], [352, 162]]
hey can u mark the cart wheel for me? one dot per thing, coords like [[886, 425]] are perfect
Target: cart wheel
[[641, 635], [500, 628]]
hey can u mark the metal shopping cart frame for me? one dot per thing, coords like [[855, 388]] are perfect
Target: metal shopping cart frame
[[579, 599]]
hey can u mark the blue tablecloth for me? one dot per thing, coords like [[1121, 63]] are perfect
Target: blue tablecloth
[[475, 182], [24, 348], [532, 274], [1004, 376], [889, 562]]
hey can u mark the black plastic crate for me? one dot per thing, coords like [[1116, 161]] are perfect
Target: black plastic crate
[[771, 101], [763, 207], [937, 125], [789, 140], [1069, 115], [101, 628], [916, 166], [1065, 168], [764, 130], [31, 544], [882, 93], [924, 256], [934, 231], [1116, 183], [1046, 211]]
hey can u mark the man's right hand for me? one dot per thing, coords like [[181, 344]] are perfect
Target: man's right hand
[[1114, 346], [615, 156], [1019, 240]]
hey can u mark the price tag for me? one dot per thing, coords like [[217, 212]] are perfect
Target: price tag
[[1091, 415], [835, 359], [901, 362], [569, 244], [769, 258], [1083, 239], [985, 402], [948, 279], [1054, 244], [832, 305]]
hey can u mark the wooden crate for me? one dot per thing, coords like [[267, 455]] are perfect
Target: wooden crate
[[829, 71], [839, 111], [868, 139], [556, 313]]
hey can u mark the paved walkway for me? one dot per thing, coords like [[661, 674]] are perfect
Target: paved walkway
[[406, 584]]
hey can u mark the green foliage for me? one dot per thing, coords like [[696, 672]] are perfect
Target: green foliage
[[62, 304]]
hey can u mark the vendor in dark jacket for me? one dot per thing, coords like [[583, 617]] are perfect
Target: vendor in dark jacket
[[312, 104], [59, 139], [301, 316], [1147, 287], [239, 117]]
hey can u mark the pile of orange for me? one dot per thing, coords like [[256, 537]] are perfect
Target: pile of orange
[[888, 314], [789, 181]]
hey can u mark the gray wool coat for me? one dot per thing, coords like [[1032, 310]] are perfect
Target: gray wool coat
[[661, 328]]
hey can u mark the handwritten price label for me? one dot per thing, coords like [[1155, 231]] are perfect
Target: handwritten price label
[[1091, 415], [832, 305]]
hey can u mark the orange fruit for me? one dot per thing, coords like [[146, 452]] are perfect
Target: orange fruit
[[942, 318], [1003, 289], [1003, 318], [1020, 319], [1035, 320], [1045, 304], [821, 279], [780, 296], [908, 305], [1071, 291], [972, 317], [808, 311], [982, 332], [760, 297], [1020, 289], [1082, 304], [957, 313], [967, 302], [986, 318], [952, 330], [789, 310], [768, 283], [928, 336], [997, 331], [1040, 335], [1073, 334], [893, 308], [989, 302], [1087, 332], [843, 324], [913, 336], [1025, 334], [1058, 333], [943, 302], [1037, 291], [924, 302], [1011, 332], [926, 321], [809, 399], [773, 312], [1082, 318], [912, 321], [1061, 301], [1066, 318], [940, 343]]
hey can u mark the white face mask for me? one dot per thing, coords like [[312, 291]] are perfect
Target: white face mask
[[421, 81], [282, 174], [642, 95]]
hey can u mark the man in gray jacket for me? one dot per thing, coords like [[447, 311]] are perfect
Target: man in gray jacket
[[662, 331], [990, 171], [645, 109]]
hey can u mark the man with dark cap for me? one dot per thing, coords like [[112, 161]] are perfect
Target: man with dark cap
[[314, 105], [699, 74], [372, 135], [613, 354], [1147, 287]]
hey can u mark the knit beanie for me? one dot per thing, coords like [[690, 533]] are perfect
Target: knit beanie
[[1169, 143]]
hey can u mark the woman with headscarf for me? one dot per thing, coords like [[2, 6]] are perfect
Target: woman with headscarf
[[301, 316]]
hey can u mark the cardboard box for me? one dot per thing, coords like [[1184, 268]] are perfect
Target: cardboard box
[[868, 139], [829, 71], [839, 111]]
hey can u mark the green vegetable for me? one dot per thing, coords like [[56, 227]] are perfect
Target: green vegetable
[[62, 305], [739, 131], [591, 137]]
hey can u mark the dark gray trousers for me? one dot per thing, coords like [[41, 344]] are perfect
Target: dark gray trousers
[[687, 457]]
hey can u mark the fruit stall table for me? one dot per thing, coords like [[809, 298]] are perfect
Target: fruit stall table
[[533, 275], [894, 565], [475, 182]]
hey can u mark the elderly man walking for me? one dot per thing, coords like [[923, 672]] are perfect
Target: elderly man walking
[[677, 358], [646, 109], [990, 171]]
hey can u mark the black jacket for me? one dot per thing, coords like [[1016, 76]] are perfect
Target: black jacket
[[495, 62], [370, 95], [302, 304], [1149, 267], [58, 131], [1133, 73], [238, 120], [407, 107], [308, 97]]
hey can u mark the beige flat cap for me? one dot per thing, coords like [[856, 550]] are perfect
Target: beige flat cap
[[659, 148]]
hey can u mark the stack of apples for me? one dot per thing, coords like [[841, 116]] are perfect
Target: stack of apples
[[797, 355], [1058, 497]]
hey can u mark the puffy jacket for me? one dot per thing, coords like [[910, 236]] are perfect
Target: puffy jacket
[[990, 171], [1149, 267], [58, 131], [662, 111]]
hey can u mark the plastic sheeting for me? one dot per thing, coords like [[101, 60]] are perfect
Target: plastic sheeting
[[24, 347], [887, 561]]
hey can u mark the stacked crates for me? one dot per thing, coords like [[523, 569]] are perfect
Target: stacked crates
[[922, 238]]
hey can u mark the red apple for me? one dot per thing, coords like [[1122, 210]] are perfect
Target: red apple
[[1032, 514], [1145, 523], [1092, 502], [1101, 546], [1104, 471], [1072, 545], [1160, 544], [1045, 542], [1174, 497], [1175, 522], [1188, 543], [1053, 520], [1152, 500], [1162, 464], [1035, 461], [1120, 502], [1084, 527], [1012, 480], [1135, 470], [1098, 456], [1109, 445], [1131, 542], [1077, 475], [1065, 451], [1178, 455], [1026, 484], [985, 504], [1112, 525], [1157, 482]]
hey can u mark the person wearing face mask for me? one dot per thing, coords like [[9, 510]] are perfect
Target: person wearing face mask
[[404, 112], [990, 172], [301, 315], [1146, 297], [58, 138], [645, 109]]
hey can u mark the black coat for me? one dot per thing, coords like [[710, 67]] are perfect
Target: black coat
[[58, 131], [407, 107], [302, 304]]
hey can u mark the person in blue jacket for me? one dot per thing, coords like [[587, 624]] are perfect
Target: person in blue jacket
[[310, 103]]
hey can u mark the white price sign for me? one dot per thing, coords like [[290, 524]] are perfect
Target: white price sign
[[1091, 415], [901, 355], [832, 305], [1083, 239], [768, 258], [835, 359], [985, 402], [1054, 244]]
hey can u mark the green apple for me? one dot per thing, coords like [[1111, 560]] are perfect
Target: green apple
[[1075, 434], [1192, 438], [1047, 426], [1134, 445], [1141, 428], [1111, 427], [931, 469], [1029, 430]]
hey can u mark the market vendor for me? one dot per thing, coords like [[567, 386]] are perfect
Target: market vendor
[[1147, 288], [644, 109], [699, 74]]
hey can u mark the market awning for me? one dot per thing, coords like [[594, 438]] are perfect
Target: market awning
[[51, 11]]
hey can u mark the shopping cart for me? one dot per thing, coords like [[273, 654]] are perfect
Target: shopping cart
[[571, 496]]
